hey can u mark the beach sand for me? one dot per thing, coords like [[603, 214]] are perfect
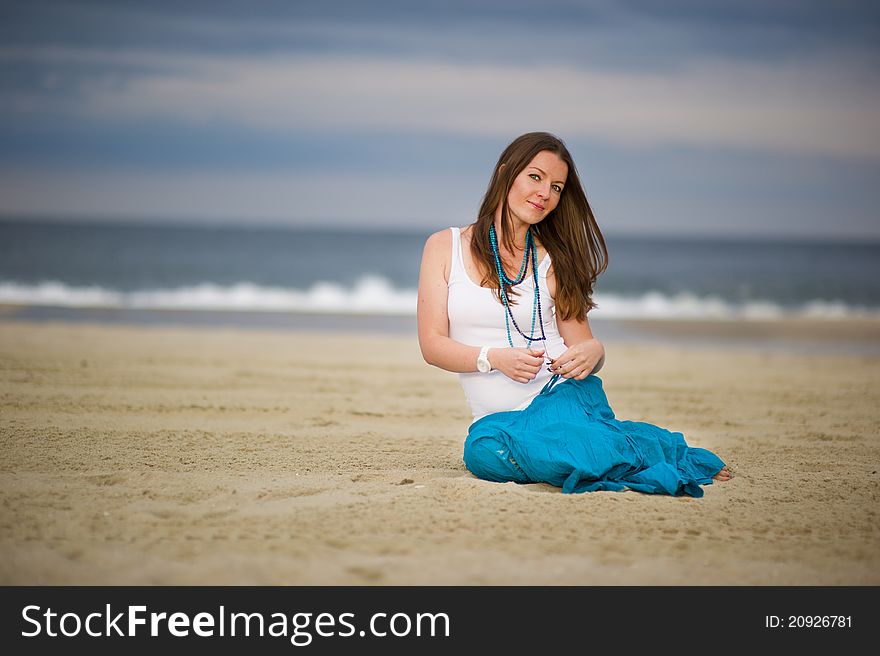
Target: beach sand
[[158, 455]]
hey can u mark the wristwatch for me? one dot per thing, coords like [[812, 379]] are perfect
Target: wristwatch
[[483, 365]]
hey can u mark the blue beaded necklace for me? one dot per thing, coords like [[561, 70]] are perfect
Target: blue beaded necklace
[[531, 253]]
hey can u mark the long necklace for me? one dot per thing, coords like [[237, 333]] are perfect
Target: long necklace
[[531, 253]]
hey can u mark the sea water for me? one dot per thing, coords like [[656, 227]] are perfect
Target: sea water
[[375, 273]]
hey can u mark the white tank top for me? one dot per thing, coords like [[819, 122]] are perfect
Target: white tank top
[[476, 318]]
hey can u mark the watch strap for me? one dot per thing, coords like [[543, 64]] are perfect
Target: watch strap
[[484, 357]]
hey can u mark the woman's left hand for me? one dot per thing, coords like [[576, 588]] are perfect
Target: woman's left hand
[[580, 360]]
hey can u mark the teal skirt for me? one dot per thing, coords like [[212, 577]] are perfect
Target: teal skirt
[[568, 437]]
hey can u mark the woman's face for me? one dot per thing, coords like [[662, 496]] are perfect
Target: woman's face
[[535, 191]]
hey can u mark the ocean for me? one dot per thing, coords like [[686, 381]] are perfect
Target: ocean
[[375, 273]]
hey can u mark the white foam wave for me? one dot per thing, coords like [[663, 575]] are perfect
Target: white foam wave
[[656, 305], [377, 296], [369, 295]]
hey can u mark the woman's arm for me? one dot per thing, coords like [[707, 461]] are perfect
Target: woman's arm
[[585, 354], [438, 349]]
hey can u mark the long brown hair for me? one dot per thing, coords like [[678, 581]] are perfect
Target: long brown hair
[[569, 233]]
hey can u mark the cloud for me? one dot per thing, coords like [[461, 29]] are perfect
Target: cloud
[[281, 197], [659, 193], [651, 29], [714, 115], [811, 106]]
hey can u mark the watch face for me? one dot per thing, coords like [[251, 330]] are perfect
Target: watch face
[[483, 365]]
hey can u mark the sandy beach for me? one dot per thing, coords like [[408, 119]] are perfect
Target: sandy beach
[[158, 455]]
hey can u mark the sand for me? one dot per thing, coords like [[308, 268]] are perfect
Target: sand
[[157, 455]]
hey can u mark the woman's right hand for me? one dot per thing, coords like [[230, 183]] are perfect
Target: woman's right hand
[[519, 364]]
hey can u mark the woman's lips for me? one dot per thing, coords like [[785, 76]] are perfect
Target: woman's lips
[[536, 206]]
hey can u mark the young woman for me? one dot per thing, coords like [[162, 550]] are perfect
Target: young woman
[[504, 303]]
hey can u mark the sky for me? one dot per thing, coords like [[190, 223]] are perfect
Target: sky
[[684, 117]]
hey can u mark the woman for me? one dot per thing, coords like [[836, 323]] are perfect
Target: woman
[[504, 303]]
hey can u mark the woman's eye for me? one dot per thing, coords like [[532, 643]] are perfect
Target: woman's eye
[[534, 176], [557, 188]]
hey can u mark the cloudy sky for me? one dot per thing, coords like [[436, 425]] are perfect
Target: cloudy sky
[[703, 117]]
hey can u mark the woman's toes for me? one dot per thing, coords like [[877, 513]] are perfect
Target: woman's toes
[[724, 475]]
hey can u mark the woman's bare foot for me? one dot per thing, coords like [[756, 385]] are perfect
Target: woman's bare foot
[[724, 475]]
